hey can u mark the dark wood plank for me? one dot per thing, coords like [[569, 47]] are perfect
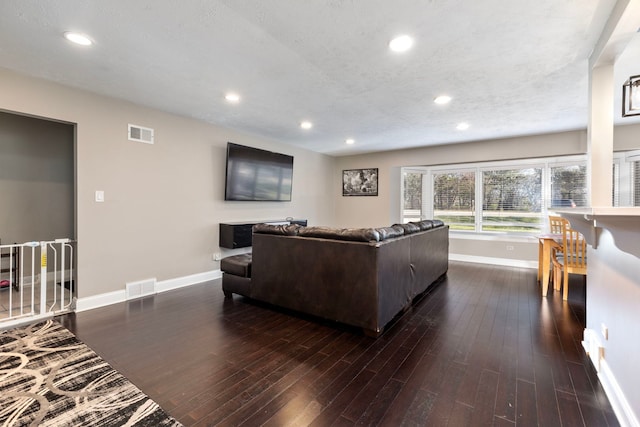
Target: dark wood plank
[[378, 406], [444, 403], [480, 348], [462, 416], [569, 409], [526, 410], [548, 411], [485, 402]]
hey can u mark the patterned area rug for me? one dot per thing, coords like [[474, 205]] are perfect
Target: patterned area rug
[[49, 378]]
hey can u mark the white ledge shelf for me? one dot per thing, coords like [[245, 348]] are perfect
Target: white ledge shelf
[[622, 222], [602, 212]]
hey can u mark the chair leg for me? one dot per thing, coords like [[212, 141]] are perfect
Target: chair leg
[[557, 272], [557, 280], [565, 291]]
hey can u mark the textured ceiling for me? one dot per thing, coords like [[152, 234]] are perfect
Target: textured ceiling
[[512, 67]]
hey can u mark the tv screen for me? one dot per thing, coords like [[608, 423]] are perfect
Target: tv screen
[[257, 175]]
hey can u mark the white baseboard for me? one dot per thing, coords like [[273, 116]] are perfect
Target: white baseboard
[[180, 282], [506, 262], [101, 300], [619, 403]]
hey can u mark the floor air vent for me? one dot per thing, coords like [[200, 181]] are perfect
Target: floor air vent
[[140, 134], [141, 288]]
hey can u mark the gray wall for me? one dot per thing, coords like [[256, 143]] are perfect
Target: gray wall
[[613, 298], [163, 202], [36, 179], [385, 209]]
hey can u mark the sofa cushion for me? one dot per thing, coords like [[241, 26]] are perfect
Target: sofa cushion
[[425, 224], [437, 223], [281, 229], [409, 228], [237, 265], [390, 232], [352, 234]]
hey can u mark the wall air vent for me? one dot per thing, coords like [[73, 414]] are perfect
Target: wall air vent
[[141, 288], [140, 134]]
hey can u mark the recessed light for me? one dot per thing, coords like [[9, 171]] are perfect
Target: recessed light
[[306, 125], [78, 38], [232, 97], [350, 141], [442, 99], [462, 126], [401, 43]]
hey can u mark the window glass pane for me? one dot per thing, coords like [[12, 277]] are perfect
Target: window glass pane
[[412, 197], [568, 186], [512, 200], [454, 199]]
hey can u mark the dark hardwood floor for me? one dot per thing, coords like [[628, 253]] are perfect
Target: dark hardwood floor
[[481, 348]]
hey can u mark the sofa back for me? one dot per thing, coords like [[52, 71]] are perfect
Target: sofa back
[[361, 277], [349, 234]]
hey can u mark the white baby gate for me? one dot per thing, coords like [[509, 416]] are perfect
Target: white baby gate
[[37, 280]]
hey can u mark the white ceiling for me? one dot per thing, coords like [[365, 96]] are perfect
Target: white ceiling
[[513, 67]]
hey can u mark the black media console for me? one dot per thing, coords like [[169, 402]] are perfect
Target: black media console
[[235, 235]]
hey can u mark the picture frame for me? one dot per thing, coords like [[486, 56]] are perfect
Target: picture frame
[[360, 182]]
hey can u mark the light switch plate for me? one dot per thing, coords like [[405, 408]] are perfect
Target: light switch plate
[[99, 196]]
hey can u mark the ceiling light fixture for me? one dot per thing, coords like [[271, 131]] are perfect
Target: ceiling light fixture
[[78, 38], [442, 99], [401, 43], [631, 97], [232, 97], [350, 141], [462, 126], [306, 125]]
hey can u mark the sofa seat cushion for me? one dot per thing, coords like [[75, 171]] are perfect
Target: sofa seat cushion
[[238, 265]]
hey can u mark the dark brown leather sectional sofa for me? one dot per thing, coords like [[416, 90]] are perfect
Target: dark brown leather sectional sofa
[[360, 277]]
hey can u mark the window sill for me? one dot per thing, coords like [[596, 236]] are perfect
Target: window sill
[[496, 237]]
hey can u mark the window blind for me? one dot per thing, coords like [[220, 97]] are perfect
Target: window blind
[[454, 199], [512, 200]]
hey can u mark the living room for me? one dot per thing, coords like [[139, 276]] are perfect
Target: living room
[[163, 202]]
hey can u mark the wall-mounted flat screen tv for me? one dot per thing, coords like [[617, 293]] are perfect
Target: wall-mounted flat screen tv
[[257, 175]]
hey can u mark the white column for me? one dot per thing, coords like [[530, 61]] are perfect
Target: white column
[[600, 136]]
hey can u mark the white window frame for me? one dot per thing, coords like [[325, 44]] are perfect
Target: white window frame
[[545, 163], [623, 185]]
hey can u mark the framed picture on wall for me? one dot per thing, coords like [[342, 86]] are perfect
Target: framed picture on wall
[[360, 182]]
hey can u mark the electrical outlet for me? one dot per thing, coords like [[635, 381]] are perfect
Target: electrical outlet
[[510, 247], [217, 256]]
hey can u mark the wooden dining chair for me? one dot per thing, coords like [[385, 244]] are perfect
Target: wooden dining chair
[[557, 225], [573, 259]]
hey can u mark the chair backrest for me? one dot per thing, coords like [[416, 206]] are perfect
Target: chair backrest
[[557, 224], [575, 250]]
